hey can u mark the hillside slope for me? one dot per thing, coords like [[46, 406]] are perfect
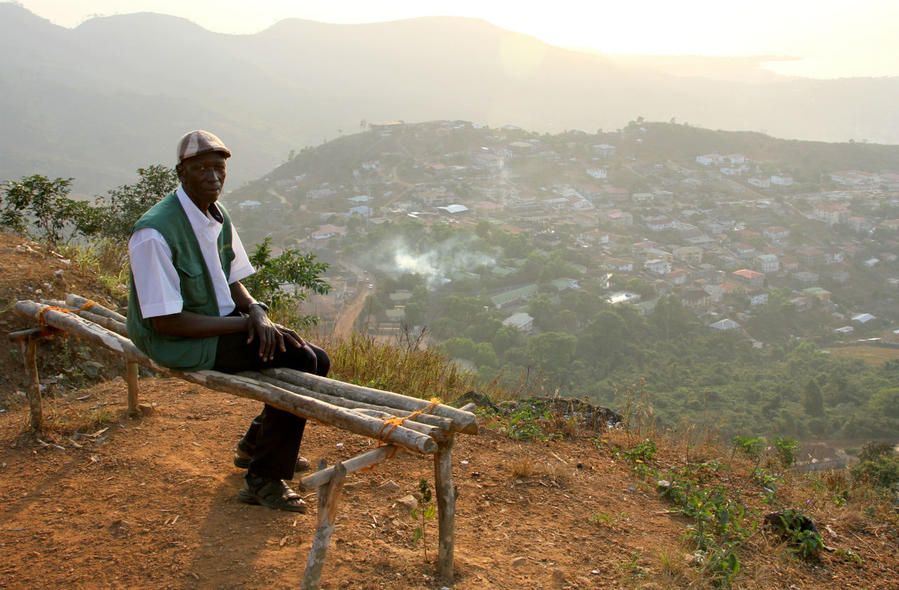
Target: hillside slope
[[150, 502]]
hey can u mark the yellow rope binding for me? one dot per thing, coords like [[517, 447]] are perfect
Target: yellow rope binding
[[398, 420]]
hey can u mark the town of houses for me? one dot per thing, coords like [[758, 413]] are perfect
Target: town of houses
[[719, 231]]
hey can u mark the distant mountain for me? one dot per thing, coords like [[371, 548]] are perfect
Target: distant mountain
[[98, 101]]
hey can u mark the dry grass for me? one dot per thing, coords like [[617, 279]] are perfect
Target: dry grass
[[568, 427], [673, 565], [638, 416], [872, 355], [410, 371], [107, 259], [64, 419], [522, 468], [525, 469]]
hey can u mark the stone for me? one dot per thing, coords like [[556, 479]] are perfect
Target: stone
[[92, 368], [119, 528], [408, 502], [389, 486]]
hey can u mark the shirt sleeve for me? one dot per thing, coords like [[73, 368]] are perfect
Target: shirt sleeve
[[155, 278], [240, 266]]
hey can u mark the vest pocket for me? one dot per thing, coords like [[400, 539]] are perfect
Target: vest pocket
[[194, 291]]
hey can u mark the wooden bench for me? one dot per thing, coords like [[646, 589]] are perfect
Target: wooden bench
[[396, 421]]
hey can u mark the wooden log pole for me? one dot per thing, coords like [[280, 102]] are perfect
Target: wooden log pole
[[108, 323], [462, 421], [429, 419], [358, 462], [34, 384], [312, 408], [446, 510], [55, 302], [80, 327], [132, 368], [24, 335], [80, 302], [27, 340], [240, 386], [328, 499]]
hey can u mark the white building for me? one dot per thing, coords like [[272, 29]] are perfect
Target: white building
[[521, 321], [767, 263], [657, 266], [782, 180]]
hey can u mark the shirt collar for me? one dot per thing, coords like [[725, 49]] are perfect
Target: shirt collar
[[201, 221], [213, 215]]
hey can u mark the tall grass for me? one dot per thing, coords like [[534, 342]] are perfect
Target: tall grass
[[412, 371], [639, 415], [108, 259]]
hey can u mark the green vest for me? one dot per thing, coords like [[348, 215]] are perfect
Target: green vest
[[186, 354]]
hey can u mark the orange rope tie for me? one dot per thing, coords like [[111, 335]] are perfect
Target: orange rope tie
[[43, 322]]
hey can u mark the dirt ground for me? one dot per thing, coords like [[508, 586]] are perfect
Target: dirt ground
[[102, 500]]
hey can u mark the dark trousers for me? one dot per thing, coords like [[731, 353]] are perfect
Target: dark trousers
[[274, 436]]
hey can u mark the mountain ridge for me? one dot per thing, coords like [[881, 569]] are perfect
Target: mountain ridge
[[300, 82]]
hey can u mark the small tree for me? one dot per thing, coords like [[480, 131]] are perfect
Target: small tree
[[284, 280], [885, 402], [39, 207], [124, 205], [812, 400], [879, 466]]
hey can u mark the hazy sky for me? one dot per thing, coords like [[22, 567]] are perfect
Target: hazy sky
[[829, 38]]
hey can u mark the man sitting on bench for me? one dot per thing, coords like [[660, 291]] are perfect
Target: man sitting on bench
[[187, 310]]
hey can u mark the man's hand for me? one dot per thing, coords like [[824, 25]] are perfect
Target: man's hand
[[271, 335]]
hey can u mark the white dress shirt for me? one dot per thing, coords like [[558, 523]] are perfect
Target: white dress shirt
[[157, 281]]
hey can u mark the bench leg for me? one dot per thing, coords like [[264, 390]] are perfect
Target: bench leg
[[446, 510], [132, 369], [34, 384], [328, 496]]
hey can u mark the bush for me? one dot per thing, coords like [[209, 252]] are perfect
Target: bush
[[881, 472], [283, 280]]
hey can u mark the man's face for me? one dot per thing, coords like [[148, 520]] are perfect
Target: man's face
[[203, 176]]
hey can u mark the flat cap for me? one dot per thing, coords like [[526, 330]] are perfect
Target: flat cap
[[199, 142]]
